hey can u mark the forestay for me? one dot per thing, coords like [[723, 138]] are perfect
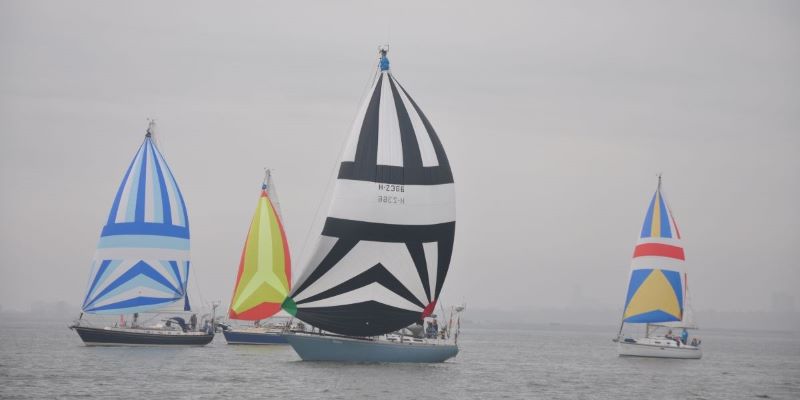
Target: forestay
[[142, 258], [384, 251], [655, 289], [264, 276]]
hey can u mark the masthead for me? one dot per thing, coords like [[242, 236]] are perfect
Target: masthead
[[384, 62], [266, 179], [150, 125]]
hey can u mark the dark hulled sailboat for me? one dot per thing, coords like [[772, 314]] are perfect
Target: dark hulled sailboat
[[142, 261]]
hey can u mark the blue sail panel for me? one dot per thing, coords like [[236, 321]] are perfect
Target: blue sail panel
[[142, 259]]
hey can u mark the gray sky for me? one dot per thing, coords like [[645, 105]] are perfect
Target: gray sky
[[556, 117]]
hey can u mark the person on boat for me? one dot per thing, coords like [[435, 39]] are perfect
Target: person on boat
[[694, 342], [135, 320], [431, 331], [193, 321], [672, 337], [684, 336]]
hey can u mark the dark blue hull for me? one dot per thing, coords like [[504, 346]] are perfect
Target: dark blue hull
[[111, 337], [240, 337]]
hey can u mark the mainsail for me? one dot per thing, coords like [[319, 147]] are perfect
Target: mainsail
[[142, 258], [384, 250], [655, 290], [264, 277]]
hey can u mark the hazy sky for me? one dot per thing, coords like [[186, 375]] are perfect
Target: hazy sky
[[556, 116]]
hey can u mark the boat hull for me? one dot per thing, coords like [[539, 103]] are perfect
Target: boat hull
[[240, 337], [114, 337], [345, 349], [627, 349]]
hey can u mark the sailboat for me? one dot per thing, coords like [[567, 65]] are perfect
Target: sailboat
[[378, 266], [657, 290], [264, 277], [142, 261]]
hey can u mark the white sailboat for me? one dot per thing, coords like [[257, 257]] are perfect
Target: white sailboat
[[381, 259], [658, 295]]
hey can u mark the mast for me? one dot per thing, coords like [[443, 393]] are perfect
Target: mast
[[150, 125]]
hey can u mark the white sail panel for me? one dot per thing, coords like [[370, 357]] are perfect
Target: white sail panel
[[427, 152], [390, 148], [393, 204], [352, 141]]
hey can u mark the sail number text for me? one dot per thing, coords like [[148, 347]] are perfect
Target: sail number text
[[388, 194], [383, 187]]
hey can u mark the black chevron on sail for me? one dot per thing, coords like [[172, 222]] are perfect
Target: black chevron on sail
[[383, 254]]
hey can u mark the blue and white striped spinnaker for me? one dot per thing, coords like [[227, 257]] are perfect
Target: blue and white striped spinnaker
[[142, 258]]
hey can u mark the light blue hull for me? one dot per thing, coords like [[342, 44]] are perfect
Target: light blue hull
[[333, 348], [239, 337]]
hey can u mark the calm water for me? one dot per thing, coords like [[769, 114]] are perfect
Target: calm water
[[43, 359]]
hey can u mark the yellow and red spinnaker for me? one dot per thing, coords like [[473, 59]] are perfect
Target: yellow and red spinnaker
[[265, 271]]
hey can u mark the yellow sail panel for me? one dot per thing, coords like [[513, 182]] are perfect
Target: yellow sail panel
[[653, 296], [264, 277]]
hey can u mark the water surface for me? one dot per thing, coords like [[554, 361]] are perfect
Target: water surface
[[44, 359]]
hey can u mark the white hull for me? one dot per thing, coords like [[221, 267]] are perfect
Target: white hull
[[658, 348]]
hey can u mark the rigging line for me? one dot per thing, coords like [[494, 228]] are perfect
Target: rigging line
[[199, 292], [332, 176]]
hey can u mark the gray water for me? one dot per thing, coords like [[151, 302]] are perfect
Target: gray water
[[43, 359]]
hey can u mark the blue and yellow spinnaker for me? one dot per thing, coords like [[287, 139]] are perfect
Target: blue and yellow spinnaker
[[655, 289]]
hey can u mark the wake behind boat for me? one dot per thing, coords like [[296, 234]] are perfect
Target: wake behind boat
[[381, 259], [658, 294], [142, 260]]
